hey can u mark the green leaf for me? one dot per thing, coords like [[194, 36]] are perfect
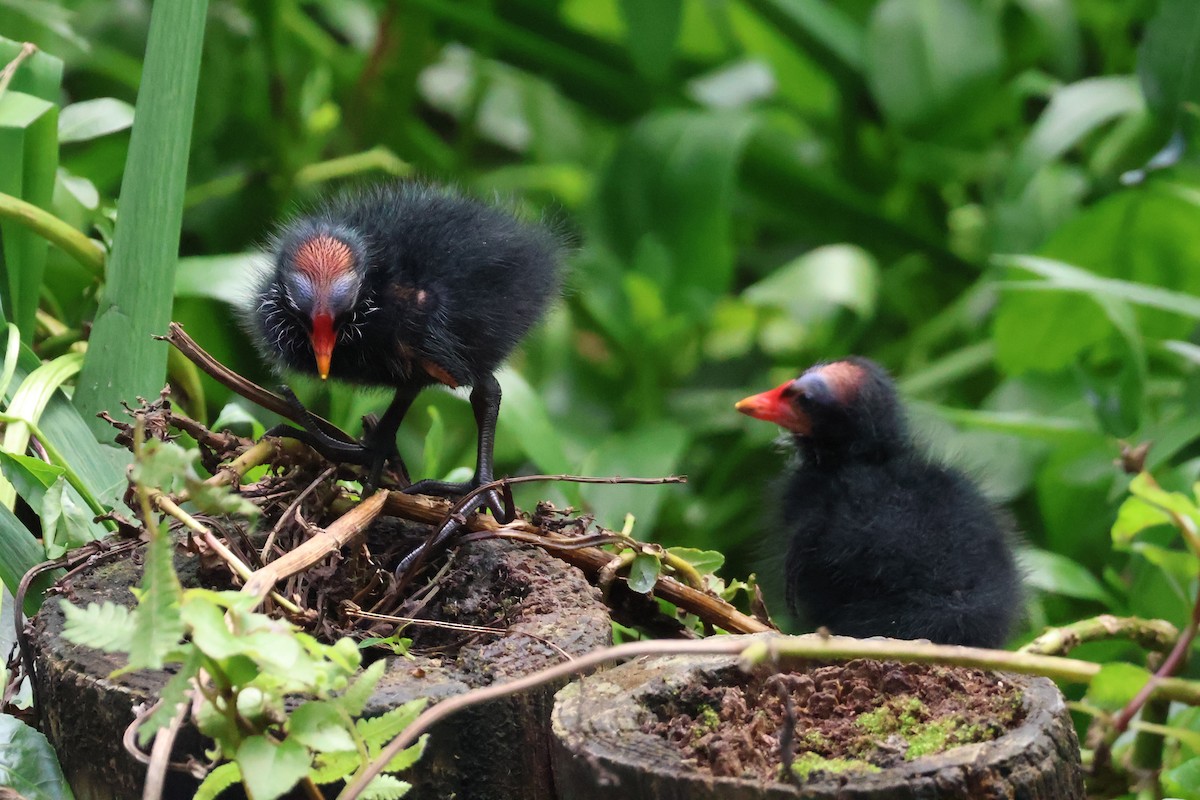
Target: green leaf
[[20, 551], [385, 787], [30, 476], [40, 74], [1169, 58], [205, 623], [671, 180], [217, 781], [66, 520], [1057, 574], [819, 28], [233, 415], [706, 562], [526, 421], [650, 33], [1133, 517], [28, 764], [816, 284], [159, 622], [643, 573], [108, 627], [408, 756], [269, 770], [378, 731], [1116, 684], [1061, 277], [226, 278], [1180, 563], [91, 119], [355, 698], [28, 139], [651, 451], [1074, 112], [435, 443], [319, 726], [173, 693], [1183, 781], [930, 59], [123, 360]]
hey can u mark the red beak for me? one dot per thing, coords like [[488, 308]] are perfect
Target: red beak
[[775, 406], [323, 339]]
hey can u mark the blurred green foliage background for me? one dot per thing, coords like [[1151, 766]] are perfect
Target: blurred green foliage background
[[997, 199]]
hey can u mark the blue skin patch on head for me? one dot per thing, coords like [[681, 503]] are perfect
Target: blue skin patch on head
[[813, 386]]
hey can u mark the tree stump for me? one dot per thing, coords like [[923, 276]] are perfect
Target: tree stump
[[602, 747], [496, 751]]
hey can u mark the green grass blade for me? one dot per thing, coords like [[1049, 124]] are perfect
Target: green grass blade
[[29, 142], [19, 551], [123, 359]]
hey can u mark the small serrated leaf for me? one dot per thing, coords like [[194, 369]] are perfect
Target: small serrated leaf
[[385, 787], [355, 698], [218, 781], [378, 731], [159, 622], [108, 627]]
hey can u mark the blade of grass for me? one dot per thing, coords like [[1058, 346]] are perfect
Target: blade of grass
[[123, 360], [29, 141]]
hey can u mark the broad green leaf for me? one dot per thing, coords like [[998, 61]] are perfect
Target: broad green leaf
[[435, 443], [819, 282], [124, 361], [66, 520], [650, 33], [40, 73], [671, 179], [28, 764], [818, 27], [1074, 112], [108, 627], [706, 562], [1180, 563], [30, 476], [206, 626], [1057, 574], [32, 396], [643, 573], [91, 119], [227, 278], [269, 770], [1169, 58], [235, 414], [526, 421], [217, 781], [30, 145], [649, 452], [1183, 781], [20, 551], [1061, 277], [1133, 517], [1116, 684], [319, 726], [928, 60]]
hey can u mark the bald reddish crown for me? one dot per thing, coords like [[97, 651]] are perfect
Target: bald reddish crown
[[324, 258]]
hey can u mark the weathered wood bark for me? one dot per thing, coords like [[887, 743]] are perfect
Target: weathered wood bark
[[601, 752], [496, 752]]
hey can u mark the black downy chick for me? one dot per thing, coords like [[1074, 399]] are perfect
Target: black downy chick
[[883, 541], [405, 285]]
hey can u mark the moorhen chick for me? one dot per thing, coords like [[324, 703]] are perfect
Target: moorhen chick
[[404, 285], [884, 541]]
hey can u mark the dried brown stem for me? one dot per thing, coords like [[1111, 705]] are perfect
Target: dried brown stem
[[239, 385]]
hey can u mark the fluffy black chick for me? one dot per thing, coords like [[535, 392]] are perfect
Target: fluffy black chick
[[405, 285], [883, 541]]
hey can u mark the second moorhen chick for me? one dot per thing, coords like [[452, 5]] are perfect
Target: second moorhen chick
[[883, 541], [405, 285]]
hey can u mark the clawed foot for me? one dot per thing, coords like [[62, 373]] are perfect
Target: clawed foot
[[489, 500]]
